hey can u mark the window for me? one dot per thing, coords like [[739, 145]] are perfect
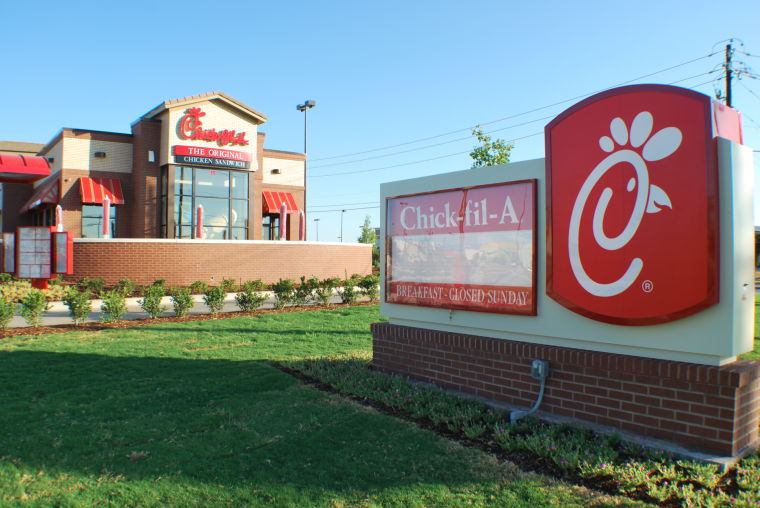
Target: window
[[270, 227], [92, 221], [44, 216], [224, 197]]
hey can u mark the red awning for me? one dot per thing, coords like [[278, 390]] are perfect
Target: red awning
[[45, 194], [22, 168], [273, 200], [94, 190]]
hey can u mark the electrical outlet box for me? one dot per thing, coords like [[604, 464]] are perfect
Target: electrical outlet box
[[539, 369]]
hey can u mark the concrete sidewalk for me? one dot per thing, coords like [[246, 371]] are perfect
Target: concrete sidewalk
[[59, 313]]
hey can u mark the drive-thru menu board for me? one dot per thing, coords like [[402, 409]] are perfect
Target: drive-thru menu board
[[467, 248], [34, 253]]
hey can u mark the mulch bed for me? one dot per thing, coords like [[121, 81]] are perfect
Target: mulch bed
[[525, 460], [136, 323]]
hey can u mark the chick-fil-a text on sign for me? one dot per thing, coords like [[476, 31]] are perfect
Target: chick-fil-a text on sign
[[467, 249]]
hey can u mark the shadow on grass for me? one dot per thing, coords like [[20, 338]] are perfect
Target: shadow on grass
[[230, 424]]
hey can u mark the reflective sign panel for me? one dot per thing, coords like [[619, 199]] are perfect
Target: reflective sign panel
[[468, 248]]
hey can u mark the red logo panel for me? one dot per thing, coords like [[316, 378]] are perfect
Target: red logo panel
[[632, 206]]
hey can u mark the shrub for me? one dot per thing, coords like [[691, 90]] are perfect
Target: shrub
[[17, 290], [158, 282], [248, 299], [284, 293], [214, 299], [94, 285], [114, 306], [325, 289], [33, 307], [78, 303], [6, 312], [370, 286], [125, 287], [302, 294], [5, 277], [253, 285], [229, 285], [151, 302], [182, 301], [198, 287], [347, 292], [57, 281]]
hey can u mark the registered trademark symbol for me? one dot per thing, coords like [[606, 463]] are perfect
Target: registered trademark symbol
[[647, 286]]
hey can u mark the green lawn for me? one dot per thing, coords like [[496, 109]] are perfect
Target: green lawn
[[193, 414], [755, 353]]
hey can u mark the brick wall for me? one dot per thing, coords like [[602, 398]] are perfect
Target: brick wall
[[701, 407], [183, 262], [143, 201]]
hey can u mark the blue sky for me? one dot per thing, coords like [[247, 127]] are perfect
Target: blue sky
[[383, 74]]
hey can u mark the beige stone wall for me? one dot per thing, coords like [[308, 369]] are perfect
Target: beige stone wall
[[79, 153], [291, 171], [219, 117]]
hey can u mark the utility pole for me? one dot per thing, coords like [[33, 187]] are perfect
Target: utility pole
[[729, 72]]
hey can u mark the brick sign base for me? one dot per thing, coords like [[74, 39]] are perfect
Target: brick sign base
[[701, 407]]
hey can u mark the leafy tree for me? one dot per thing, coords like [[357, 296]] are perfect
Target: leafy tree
[[369, 236], [368, 232], [491, 152]]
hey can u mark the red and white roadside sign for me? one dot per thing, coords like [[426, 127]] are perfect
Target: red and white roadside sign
[[632, 204], [467, 248]]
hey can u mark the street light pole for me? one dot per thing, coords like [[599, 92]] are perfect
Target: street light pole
[[316, 223], [341, 225], [307, 105]]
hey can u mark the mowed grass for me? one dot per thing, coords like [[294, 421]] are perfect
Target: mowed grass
[[194, 414], [755, 353]]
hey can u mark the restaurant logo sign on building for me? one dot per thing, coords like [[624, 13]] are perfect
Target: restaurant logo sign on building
[[190, 127], [632, 206], [204, 156], [468, 248]]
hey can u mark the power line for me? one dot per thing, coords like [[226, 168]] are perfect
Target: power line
[[468, 151], [346, 204], [413, 162], [343, 209], [467, 137], [749, 90], [518, 114], [431, 146]]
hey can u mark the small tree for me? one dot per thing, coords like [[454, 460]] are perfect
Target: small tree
[[248, 298], [6, 312], [114, 306], [284, 292], [151, 302], [325, 289], [370, 286], [79, 304], [33, 306], [368, 234], [182, 301], [491, 152], [214, 299]]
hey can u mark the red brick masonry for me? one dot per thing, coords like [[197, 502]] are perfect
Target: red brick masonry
[[182, 263], [702, 407]]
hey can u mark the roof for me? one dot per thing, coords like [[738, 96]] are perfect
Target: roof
[[219, 96], [21, 147]]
